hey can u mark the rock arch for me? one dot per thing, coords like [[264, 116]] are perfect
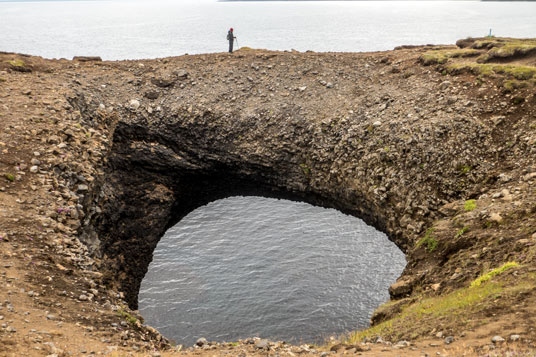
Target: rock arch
[[392, 154]]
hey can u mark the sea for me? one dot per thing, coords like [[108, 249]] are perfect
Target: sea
[[134, 29], [253, 266]]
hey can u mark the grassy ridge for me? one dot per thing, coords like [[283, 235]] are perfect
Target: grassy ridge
[[420, 317]]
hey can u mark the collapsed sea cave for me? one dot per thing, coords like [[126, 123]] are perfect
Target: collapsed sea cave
[[153, 180], [172, 156]]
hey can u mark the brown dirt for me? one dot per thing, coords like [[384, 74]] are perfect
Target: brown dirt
[[43, 281]]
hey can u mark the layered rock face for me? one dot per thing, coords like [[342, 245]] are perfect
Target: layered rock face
[[378, 137]]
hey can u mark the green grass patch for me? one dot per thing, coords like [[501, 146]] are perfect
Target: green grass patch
[[510, 71], [9, 177], [429, 241], [518, 72], [469, 205], [488, 49], [128, 317], [504, 48], [455, 310], [450, 307], [16, 63], [442, 56], [485, 277], [461, 232], [382, 329], [511, 84], [486, 43], [464, 169]]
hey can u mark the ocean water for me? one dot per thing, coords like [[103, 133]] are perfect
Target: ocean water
[[252, 266], [130, 29]]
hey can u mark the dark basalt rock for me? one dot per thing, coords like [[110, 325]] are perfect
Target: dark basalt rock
[[87, 58]]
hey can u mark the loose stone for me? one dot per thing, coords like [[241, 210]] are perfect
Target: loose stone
[[402, 344], [444, 85], [201, 342], [497, 339], [261, 344], [495, 217], [515, 338], [134, 104], [182, 73]]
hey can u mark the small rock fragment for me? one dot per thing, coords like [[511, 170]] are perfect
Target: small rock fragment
[[497, 339], [402, 344], [515, 338], [134, 104], [87, 58], [496, 218], [182, 73], [151, 95], [261, 344], [444, 85]]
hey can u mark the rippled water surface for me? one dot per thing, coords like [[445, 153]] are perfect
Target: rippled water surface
[[249, 266], [119, 29]]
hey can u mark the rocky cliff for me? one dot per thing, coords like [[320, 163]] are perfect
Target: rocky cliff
[[99, 159]]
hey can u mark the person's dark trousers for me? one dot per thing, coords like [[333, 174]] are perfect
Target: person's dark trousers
[[231, 46]]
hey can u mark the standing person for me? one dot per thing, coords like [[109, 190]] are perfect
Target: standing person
[[230, 38]]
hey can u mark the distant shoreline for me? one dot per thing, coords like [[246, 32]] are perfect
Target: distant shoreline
[[8, 1], [367, 0]]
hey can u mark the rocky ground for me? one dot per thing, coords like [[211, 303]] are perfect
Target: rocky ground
[[98, 159]]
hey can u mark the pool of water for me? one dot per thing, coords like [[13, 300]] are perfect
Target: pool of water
[[251, 266]]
